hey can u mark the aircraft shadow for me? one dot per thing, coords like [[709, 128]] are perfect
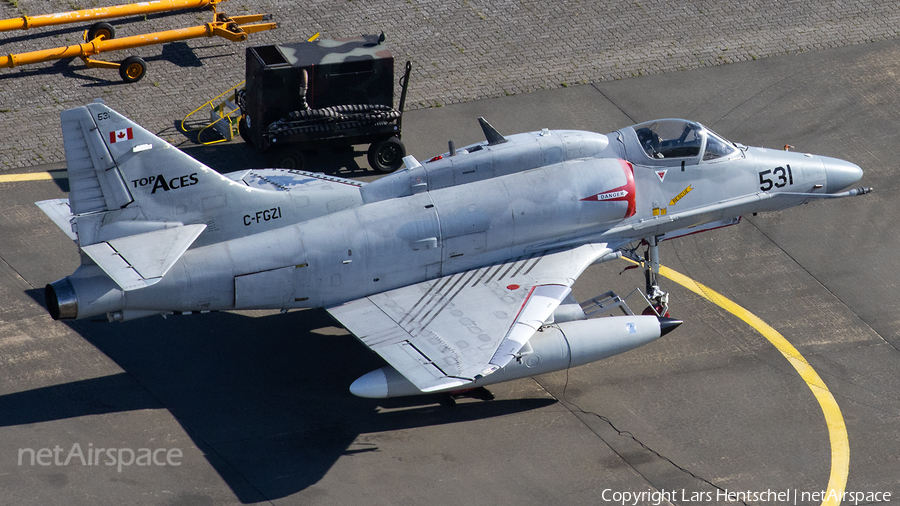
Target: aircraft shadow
[[264, 398]]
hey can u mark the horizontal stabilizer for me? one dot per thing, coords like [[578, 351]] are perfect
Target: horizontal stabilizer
[[137, 261], [58, 210]]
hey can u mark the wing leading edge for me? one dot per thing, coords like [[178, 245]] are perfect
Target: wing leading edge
[[446, 332]]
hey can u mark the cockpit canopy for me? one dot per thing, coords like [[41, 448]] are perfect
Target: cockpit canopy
[[667, 139]]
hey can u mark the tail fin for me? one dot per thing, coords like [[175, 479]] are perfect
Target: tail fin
[[137, 202], [114, 163], [95, 183]]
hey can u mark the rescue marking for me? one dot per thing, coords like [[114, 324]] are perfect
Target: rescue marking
[[681, 195], [834, 420]]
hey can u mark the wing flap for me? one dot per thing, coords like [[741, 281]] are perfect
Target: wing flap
[[141, 260], [540, 304], [381, 333]]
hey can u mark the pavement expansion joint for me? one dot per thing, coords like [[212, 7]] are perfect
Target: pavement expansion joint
[[575, 409], [824, 287], [634, 438], [19, 274]]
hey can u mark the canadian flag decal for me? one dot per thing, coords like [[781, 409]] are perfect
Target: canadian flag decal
[[624, 193], [121, 135]]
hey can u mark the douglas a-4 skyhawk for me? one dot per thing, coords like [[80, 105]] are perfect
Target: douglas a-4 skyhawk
[[456, 271]]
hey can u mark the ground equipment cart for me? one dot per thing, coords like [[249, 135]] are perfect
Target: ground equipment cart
[[304, 96]]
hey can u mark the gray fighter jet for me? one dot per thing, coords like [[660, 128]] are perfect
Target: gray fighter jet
[[456, 271]]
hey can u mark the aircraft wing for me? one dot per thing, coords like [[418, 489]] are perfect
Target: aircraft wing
[[449, 331]]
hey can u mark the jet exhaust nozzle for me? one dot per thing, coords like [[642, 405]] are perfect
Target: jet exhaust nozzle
[[61, 300], [85, 293]]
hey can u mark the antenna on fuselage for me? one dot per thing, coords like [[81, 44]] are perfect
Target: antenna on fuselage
[[491, 133]]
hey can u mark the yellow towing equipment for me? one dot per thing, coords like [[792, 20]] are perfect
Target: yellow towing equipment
[[116, 11], [100, 37]]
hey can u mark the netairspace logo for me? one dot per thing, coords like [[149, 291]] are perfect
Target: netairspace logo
[[118, 457]]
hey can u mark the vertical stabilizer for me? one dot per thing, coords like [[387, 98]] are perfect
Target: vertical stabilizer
[[95, 182], [114, 163], [137, 203]]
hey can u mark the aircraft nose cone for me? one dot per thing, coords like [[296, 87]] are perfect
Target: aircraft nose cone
[[840, 174]]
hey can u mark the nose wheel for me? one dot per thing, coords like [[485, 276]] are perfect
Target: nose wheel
[[659, 300]]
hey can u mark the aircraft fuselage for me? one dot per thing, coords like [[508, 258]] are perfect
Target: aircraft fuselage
[[284, 246]]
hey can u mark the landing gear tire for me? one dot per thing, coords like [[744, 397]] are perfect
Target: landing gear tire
[[132, 69], [244, 130], [387, 155], [656, 310], [288, 158], [104, 30]]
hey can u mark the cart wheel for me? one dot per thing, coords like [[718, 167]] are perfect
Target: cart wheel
[[387, 155], [288, 158], [105, 30], [132, 69], [244, 130]]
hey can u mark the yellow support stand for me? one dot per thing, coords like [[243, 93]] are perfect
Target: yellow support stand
[[224, 118]]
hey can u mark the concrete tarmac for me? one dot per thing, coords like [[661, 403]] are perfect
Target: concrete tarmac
[[253, 407]]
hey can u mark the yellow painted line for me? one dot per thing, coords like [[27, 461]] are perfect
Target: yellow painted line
[[34, 176], [837, 430]]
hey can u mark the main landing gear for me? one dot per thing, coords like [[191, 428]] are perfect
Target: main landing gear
[[483, 394]]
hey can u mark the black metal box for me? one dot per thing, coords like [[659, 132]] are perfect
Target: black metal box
[[339, 72]]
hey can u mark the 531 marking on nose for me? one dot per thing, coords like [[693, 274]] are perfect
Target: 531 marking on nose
[[784, 177]]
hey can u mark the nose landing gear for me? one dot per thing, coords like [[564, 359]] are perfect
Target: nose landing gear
[[658, 299]]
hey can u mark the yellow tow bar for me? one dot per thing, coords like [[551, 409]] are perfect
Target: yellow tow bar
[[115, 11], [99, 39]]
